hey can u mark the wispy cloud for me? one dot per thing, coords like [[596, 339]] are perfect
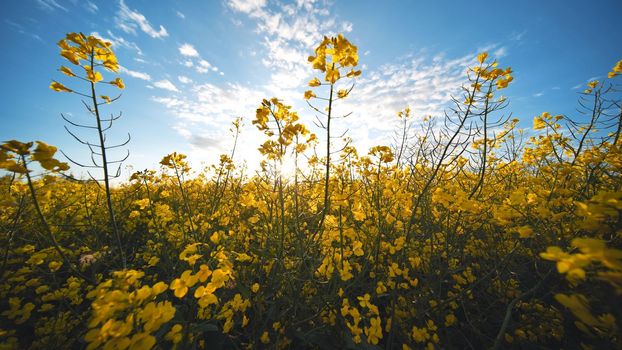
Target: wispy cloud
[[423, 81], [50, 5], [194, 59], [188, 50], [90, 7], [501, 52], [180, 15], [184, 79], [247, 6], [166, 85], [204, 113], [538, 94], [129, 20], [518, 36], [290, 31], [118, 41], [20, 29], [135, 74], [204, 66]]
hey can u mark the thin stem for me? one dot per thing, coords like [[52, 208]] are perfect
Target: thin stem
[[326, 207], [113, 221], [48, 230]]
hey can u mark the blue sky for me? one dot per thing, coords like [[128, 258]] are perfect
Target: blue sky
[[190, 67]]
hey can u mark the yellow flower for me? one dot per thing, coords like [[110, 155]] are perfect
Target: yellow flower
[[353, 73], [142, 341], [118, 83], [309, 94], [219, 277], [159, 288], [92, 75], [174, 335], [374, 332], [207, 299], [538, 123], [255, 288], [203, 273], [357, 248], [153, 261], [56, 86], [332, 75], [593, 84], [180, 285], [482, 57], [243, 257], [420, 335], [155, 315], [364, 300], [265, 337], [450, 320], [70, 56], [55, 265], [503, 83], [67, 71], [315, 82], [525, 231]]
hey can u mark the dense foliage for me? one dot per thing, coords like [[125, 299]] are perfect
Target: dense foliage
[[467, 232]]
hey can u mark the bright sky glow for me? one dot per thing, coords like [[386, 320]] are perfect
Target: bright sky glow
[[191, 67]]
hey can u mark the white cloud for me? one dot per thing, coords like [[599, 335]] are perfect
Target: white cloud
[[166, 85], [500, 52], [204, 116], [184, 79], [425, 84], [203, 66], [181, 15], [539, 94], [129, 20], [118, 41], [135, 74], [422, 81], [90, 7], [200, 65], [289, 33], [518, 36], [188, 50], [20, 29], [346, 27], [247, 6], [50, 5]]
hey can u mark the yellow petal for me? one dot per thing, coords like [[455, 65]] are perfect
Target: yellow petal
[[56, 86]]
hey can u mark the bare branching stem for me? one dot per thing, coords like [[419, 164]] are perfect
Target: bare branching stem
[[102, 144]]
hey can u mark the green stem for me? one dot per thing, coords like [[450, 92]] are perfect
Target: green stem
[[100, 132]]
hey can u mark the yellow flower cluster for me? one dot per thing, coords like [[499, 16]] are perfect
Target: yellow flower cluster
[[87, 52]]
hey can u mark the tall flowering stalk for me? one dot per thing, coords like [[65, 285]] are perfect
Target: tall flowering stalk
[[91, 54], [334, 57]]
